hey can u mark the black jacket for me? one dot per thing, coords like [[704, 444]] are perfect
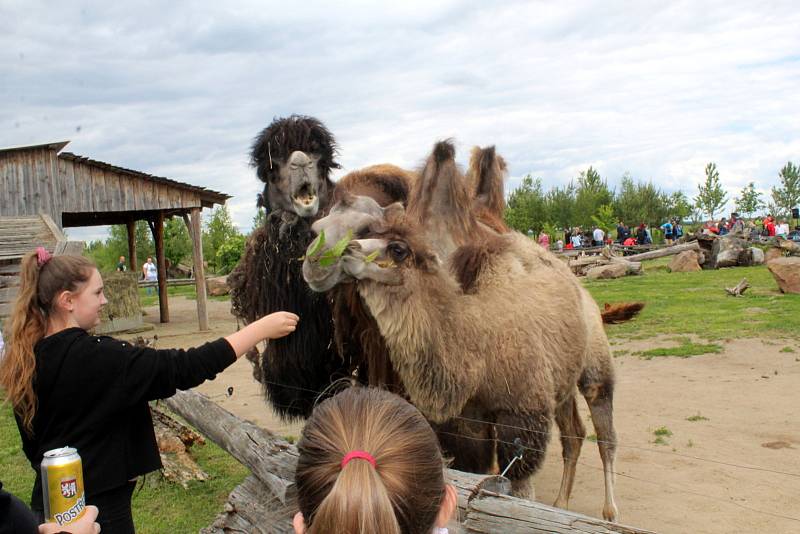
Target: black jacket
[[92, 395], [15, 518]]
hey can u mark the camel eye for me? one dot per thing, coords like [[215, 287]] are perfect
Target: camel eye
[[397, 251]]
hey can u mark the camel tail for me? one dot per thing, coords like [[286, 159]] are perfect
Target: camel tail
[[621, 312]]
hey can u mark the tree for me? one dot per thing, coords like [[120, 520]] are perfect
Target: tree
[[229, 254], [219, 228], [105, 254], [640, 202], [177, 243], [749, 201], [560, 205], [710, 195], [259, 219], [787, 196], [604, 218], [591, 194], [525, 208], [678, 206]]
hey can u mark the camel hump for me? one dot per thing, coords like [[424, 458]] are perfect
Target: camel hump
[[469, 261], [620, 312], [487, 171]]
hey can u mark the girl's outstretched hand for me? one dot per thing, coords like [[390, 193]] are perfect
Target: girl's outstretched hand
[[279, 324], [272, 326]]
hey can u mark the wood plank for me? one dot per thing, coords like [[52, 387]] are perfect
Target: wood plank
[[99, 196], [113, 196], [199, 269], [158, 238], [8, 294], [130, 226], [43, 181], [83, 181], [662, 252]]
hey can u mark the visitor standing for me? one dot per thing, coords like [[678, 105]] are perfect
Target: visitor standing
[[121, 267], [598, 235], [150, 272], [544, 240], [667, 228]]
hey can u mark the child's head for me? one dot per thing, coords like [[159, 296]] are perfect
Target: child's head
[[339, 489], [66, 288]]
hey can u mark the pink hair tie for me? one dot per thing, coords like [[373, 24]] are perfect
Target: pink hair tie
[[360, 455], [42, 256]]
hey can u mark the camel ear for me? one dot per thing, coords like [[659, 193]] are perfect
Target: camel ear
[[393, 212]]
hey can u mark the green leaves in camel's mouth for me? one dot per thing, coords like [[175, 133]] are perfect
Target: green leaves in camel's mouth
[[333, 254]]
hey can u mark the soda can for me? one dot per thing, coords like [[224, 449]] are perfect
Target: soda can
[[62, 484]]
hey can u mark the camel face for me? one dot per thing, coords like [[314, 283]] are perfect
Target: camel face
[[297, 187], [378, 253]]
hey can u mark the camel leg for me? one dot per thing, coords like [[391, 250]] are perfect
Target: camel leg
[[572, 434], [510, 426], [598, 390]]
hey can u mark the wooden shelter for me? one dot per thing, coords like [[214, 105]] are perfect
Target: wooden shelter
[[75, 191]]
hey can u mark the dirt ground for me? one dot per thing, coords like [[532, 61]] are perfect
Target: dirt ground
[[737, 470]]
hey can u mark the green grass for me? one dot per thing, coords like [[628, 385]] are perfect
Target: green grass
[[696, 417], [787, 349], [684, 350], [189, 292], [661, 434], [696, 303], [160, 506]]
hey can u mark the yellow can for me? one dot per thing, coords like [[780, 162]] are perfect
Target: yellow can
[[62, 484]]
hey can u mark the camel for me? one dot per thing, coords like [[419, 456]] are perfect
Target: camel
[[509, 351]]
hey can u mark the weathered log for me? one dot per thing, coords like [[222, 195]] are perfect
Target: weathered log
[[739, 289], [789, 245], [269, 457], [727, 252], [265, 501], [662, 252]]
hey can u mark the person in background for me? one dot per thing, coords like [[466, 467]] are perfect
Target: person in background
[[68, 387], [677, 229], [598, 235], [620, 232], [769, 225], [150, 273], [667, 227], [544, 240], [576, 240], [782, 229], [641, 235], [121, 266], [560, 245], [737, 224], [722, 227], [369, 463]]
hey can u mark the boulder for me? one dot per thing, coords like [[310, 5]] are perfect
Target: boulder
[[751, 256], [725, 251], [786, 272], [607, 272], [686, 262], [218, 286], [773, 253]]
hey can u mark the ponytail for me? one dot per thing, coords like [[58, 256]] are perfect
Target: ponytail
[[400, 494], [42, 278]]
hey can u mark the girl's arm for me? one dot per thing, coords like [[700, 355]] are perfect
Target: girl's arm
[[270, 326]]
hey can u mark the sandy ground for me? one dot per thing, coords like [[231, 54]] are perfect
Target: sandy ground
[[737, 471]]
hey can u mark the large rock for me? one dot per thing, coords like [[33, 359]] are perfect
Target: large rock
[[773, 253], [686, 262], [725, 251], [607, 272], [752, 256], [218, 286], [787, 273]]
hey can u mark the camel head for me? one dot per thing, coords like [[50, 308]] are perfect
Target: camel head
[[293, 156], [364, 241]]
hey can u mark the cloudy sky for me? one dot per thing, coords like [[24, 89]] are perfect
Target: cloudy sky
[[179, 89]]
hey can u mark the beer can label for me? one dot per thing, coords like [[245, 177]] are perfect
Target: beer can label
[[65, 493]]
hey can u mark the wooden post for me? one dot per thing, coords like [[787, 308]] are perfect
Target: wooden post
[[161, 264], [131, 226], [199, 271]]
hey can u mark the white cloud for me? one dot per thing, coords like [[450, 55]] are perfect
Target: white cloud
[[181, 89]]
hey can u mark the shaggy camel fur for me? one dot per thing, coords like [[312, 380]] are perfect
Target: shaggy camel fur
[[507, 351]]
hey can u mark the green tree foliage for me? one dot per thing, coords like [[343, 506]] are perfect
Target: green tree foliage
[[749, 200], [605, 219], [229, 254], [525, 208], [259, 219], [219, 229], [640, 202], [560, 205], [177, 243], [711, 197], [678, 206], [592, 193], [787, 196]]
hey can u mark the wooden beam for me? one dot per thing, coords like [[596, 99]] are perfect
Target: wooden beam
[[161, 264], [131, 226], [199, 270], [662, 252]]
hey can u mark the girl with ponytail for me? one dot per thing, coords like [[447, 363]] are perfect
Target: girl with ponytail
[[369, 463], [69, 388]]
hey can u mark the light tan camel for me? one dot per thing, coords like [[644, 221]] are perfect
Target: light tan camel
[[509, 351]]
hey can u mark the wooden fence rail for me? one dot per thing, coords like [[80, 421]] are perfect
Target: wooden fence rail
[[266, 501]]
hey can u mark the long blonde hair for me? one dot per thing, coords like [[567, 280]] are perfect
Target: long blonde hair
[[400, 495], [39, 287]]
